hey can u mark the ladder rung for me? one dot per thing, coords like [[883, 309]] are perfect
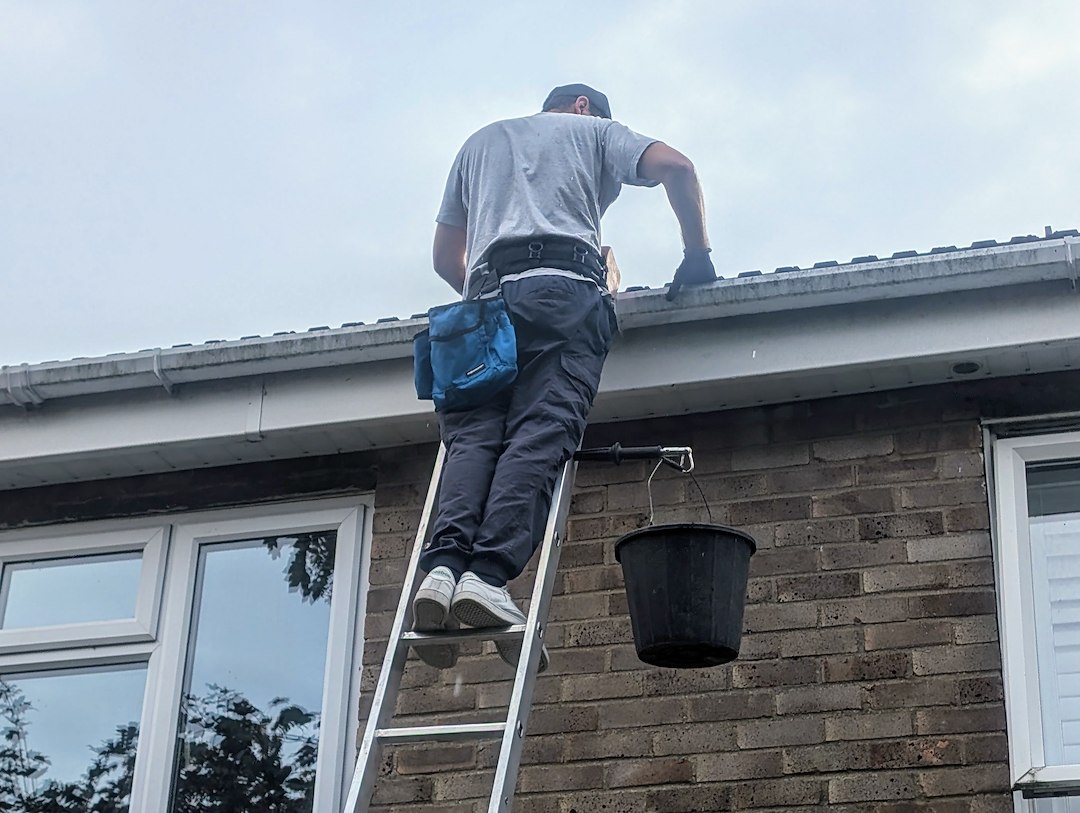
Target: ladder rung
[[463, 635], [440, 733]]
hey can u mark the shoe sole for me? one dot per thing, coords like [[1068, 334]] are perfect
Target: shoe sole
[[429, 615], [476, 613]]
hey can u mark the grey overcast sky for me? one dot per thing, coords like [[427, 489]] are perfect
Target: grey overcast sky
[[174, 172]]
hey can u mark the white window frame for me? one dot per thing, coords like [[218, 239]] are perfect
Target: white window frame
[[1016, 613], [166, 650], [149, 543]]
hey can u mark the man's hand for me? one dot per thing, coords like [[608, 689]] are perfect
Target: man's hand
[[614, 276], [695, 269]]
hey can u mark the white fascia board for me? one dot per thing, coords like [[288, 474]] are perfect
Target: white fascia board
[[966, 270], [662, 370]]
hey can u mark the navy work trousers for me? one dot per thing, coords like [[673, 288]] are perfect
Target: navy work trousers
[[502, 458]]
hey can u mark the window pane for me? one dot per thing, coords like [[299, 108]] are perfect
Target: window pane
[[255, 675], [1054, 530], [69, 591], [1053, 488], [62, 751]]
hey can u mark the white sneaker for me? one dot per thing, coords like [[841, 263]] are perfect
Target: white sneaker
[[431, 612], [479, 604]]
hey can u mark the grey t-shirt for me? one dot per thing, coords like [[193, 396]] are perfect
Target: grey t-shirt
[[546, 174]]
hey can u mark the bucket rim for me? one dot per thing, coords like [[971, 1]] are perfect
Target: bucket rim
[[670, 526]]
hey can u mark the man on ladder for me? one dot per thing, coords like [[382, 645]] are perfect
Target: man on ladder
[[521, 215]]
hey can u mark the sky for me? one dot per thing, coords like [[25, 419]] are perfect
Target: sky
[[177, 172]]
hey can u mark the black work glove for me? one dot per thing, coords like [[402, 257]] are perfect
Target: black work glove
[[695, 269]]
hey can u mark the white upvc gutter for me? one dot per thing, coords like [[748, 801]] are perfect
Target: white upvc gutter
[[956, 271]]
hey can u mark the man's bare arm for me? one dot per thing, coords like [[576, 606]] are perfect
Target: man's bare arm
[[676, 172], [448, 255]]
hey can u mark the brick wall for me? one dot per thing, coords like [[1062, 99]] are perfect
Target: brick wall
[[869, 678]]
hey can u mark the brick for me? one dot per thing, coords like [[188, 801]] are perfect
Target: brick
[[966, 781], [816, 586], [858, 555], [773, 733], [696, 738], [542, 778], [978, 629], [736, 705], [896, 470], [819, 642], [907, 634], [914, 753], [855, 501], [962, 465], [785, 672], [986, 748], [910, 524], [599, 632], [784, 560], [957, 492], [777, 509], [589, 579], [939, 439], [657, 682], [856, 447], [815, 699], [733, 487], [765, 617], [606, 745], [874, 609], [436, 699], [587, 502], [403, 790], [938, 660], [870, 666], [980, 690], [967, 518], [655, 771], [694, 799], [952, 603], [869, 725], [621, 496], [738, 766], [959, 721], [579, 553], [641, 712], [904, 577], [830, 757], [876, 786], [809, 478], [570, 607], [434, 758], [971, 573], [959, 546], [770, 457], [595, 687], [772, 793], [563, 718], [817, 532]]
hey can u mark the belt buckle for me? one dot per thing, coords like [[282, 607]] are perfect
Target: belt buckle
[[535, 247]]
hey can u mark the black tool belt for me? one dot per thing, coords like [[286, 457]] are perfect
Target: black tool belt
[[563, 253]]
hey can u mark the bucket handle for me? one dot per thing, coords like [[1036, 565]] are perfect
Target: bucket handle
[[680, 458]]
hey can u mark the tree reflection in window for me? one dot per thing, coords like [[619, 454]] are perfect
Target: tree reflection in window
[[235, 756], [241, 759]]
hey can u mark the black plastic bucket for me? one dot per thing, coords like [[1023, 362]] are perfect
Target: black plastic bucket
[[686, 586]]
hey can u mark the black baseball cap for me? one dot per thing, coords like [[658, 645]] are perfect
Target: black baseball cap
[[597, 100]]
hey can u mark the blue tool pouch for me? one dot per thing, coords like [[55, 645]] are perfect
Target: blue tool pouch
[[467, 354]]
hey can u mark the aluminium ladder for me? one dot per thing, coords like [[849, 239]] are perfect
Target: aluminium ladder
[[510, 731]]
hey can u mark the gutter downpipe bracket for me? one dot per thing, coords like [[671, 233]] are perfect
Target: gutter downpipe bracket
[[160, 373], [21, 393], [1074, 274]]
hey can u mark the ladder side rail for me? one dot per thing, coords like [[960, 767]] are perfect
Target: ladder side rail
[[384, 698], [506, 770]]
